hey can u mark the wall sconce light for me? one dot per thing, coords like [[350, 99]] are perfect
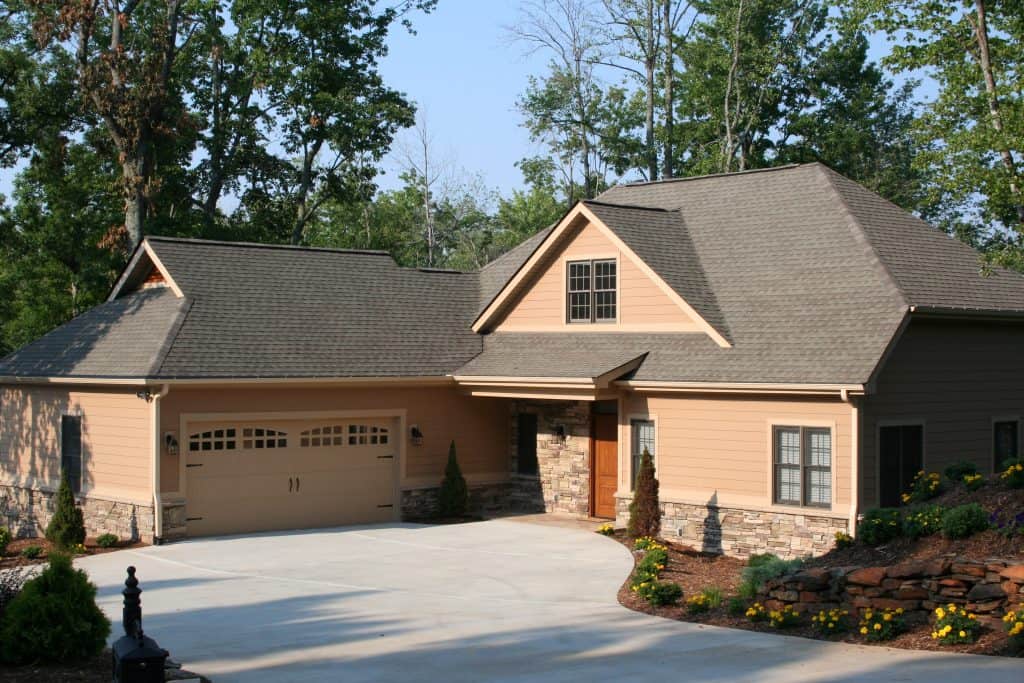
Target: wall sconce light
[[415, 435], [560, 433], [145, 395], [170, 443]]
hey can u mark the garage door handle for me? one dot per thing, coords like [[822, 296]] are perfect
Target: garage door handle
[[385, 457], [298, 482], [194, 465], [289, 484]]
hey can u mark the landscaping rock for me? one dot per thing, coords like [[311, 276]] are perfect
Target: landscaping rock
[[986, 591], [968, 568], [867, 576], [1014, 573]]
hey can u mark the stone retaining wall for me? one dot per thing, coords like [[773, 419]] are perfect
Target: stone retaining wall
[[27, 512], [484, 500], [987, 588], [741, 533]]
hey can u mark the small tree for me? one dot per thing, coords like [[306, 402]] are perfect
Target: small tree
[[644, 511], [67, 528], [54, 618], [454, 497]]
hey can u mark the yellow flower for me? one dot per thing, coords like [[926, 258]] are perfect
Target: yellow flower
[[963, 634], [863, 631], [899, 610], [887, 617]]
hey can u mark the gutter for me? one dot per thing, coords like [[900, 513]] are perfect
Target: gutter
[[158, 509], [854, 461], [745, 388]]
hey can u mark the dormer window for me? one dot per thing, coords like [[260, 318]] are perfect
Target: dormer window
[[591, 291]]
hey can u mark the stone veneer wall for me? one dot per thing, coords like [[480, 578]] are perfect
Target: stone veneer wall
[[741, 533], [987, 587], [27, 512], [563, 480], [484, 500]]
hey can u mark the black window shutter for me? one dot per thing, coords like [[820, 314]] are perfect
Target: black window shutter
[[71, 450], [526, 443]]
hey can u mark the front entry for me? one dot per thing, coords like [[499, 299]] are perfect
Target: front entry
[[606, 464], [900, 458]]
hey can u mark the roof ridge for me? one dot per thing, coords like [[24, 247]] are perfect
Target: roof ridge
[[262, 245], [706, 176], [860, 234], [616, 205]]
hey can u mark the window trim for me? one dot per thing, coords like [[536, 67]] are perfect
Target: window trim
[[804, 426], [997, 419], [592, 290], [632, 471]]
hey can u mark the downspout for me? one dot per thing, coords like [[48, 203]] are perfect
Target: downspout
[[854, 459], [158, 509]]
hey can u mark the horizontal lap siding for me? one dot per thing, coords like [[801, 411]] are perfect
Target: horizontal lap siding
[[115, 438], [955, 377], [720, 445], [641, 301], [479, 427]]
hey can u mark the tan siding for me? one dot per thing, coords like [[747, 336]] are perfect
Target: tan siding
[[478, 426], [955, 377], [115, 438], [720, 446], [642, 304]]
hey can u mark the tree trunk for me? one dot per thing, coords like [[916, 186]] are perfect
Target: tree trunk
[[984, 57], [666, 164], [728, 142], [650, 56]]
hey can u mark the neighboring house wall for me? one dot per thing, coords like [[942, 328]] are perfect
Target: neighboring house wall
[[116, 446], [642, 305], [954, 378], [714, 462], [479, 428]]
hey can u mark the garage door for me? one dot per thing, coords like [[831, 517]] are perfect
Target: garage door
[[246, 475]]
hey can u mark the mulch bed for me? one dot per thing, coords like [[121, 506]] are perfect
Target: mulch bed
[[91, 670], [12, 557], [695, 571]]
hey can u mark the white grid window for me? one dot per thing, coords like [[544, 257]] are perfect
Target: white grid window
[[591, 291], [643, 439], [222, 439], [318, 437], [802, 466], [258, 437], [359, 434]]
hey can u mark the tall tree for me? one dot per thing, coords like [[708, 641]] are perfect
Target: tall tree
[[973, 131]]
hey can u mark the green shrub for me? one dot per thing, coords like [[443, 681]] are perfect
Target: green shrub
[[756, 560], [964, 520], [757, 612], [831, 622], [661, 593], [878, 625], [880, 525], [787, 617], [697, 604], [646, 543], [766, 568], [1013, 473], [956, 472], [107, 540], [644, 509], [922, 521], [453, 500], [31, 552], [54, 618], [606, 529], [713, 595], [5, 538], [973, 482], [736, 607], [67, 528], [926, 485], [955, 626], [1014, 622], [843, 540]]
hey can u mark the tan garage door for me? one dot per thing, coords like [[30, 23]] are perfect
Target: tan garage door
[[261, 475]]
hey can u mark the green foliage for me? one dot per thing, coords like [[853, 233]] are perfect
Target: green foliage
[[708, 599], [645, 581], [644, 509], [5, 538], [925, 486], [67, 527], [661, 593], [453, 499], [832, 621], [606, 529], [879, 526], [955, 626], [31, 552], [786, 617], [647, 543], [955, 473], [843, 540], [736, 607], [973, 482], [1013, 473], [762, 568], [757, 613], [54, 618], [921, 521], [964, 520], [879, 625], [107, 540]]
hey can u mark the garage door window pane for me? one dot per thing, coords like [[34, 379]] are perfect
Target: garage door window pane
[[221, 439], [318, 437], [259, 437]]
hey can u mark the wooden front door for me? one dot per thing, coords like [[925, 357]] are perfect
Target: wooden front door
[[605, 473]]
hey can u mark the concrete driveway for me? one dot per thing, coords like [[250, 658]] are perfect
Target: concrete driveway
[[501, 600]]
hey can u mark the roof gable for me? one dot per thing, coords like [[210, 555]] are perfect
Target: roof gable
[[661, 226]]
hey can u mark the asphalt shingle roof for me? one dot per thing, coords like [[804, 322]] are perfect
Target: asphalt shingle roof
[[807, 274]]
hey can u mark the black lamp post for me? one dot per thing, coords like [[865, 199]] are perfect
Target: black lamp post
[[136, 657]]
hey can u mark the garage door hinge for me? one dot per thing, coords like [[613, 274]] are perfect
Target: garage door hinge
[[193, 519], [194, 465], [386, 506]]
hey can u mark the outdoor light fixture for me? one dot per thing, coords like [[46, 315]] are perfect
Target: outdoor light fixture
[[171, 443], [560, 433], [145, 395], [415, 435]]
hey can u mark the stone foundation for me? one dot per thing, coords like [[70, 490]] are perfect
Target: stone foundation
[[27, 512], [563, 480], [484, 500], [988, 587], [741, 533]]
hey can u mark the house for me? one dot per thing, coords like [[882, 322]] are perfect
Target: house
[[790, 347]]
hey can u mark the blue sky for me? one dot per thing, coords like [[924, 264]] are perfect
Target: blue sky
[[465, 74]]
